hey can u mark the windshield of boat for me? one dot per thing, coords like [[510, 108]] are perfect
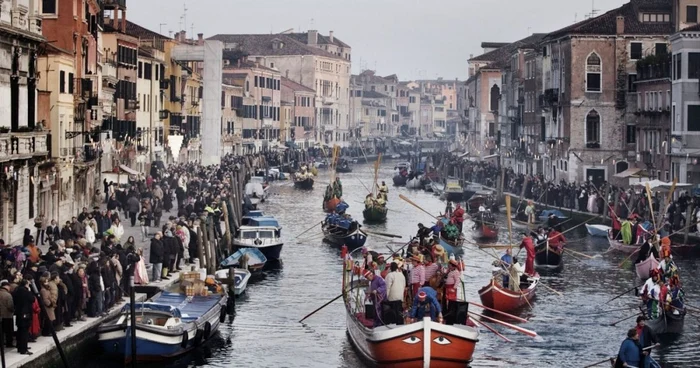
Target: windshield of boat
[[249, 234], [266, 234]]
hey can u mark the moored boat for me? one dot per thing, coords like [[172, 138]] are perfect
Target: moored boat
[[240, 279], [676, 249], [644, 267], [168, 326], [503, 299], [414, 183], [304, 183], [252, 257], [521, 222], [375, 214], [262, 233], [453, 190], [549, 257], [598, 230], [400, 180], [544, 215]]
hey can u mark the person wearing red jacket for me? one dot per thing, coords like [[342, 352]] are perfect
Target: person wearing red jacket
[[529, 246], [458, 216], [556, 239]]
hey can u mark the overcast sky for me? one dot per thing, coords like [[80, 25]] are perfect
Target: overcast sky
[[412, 38]]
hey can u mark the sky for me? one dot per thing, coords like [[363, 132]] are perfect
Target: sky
[[415, 39]]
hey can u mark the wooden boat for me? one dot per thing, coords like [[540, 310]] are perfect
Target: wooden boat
[[414, 183], [676, 249], [438, 188], [255, 259], [644, 267], [452, 246], [306, 183], [329, 205], [400, 180], [485, 231], [168, 326], [548, 257], [598, 230], [375, 214], [344, 232], [420, 344], [521, 222], [240, 278], [668, 324], [343, 166], [503, 299], [544, 215]]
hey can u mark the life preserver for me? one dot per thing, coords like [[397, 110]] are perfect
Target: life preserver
[[198, 337], [185, 340], [207, 330], [222, 315]]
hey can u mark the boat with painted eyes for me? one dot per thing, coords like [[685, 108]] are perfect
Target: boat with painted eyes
[[420, 344]]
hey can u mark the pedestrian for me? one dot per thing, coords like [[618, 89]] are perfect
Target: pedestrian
[[23, 301], [49, 296], [7, 311], [156, 256]]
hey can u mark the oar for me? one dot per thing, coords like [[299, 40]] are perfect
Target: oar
[[482, 323], [499, 312], [325, 305], [552, 290], [607, 311], [623, 293], [415, 205], [577, 253], [307, 230], [629, 256], [606, 360], [506, 324], [384, 234], [625, 319], [494, 246]]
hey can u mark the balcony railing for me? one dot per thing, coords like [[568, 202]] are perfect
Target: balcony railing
[[16, 145], [133, 105], [654, 67], [110, 4]]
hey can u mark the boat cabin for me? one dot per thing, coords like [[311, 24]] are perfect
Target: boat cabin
[[259, 234], [453, 185]]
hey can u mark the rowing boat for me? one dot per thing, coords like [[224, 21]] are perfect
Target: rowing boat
[[644, 267], [497, 297]]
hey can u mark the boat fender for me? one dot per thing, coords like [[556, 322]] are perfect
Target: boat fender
[[185, 340], [222, 315], [198, 337], [207, 330], [343, 251]]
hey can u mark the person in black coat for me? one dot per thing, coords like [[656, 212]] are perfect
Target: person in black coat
[[23, 300], [28, 238], [95, 288], [53, 232], [192, 246], [69, 312], [169, 252], [156, 256]]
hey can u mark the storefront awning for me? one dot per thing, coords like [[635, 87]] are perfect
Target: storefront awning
[[634, 172], [128, 170]]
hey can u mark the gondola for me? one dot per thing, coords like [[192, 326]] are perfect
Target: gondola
[[452, 246], [598, 230], [485, 231], [643, 268], [400, 180], [423, 343], [503, 299], [548, 257], [305, 183], [375, 214], [343, 231], [668, 324], [343, 166], [521, 222]]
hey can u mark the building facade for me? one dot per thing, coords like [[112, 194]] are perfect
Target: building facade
[[301, 100]]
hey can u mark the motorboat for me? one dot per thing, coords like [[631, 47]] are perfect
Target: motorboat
[[262, 233]]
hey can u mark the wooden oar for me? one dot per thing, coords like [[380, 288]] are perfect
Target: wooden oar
[[506, 324], [606, 360], [625, 319], [482, 323], [325, 305], [416, 206], [494, 246], [499, 312], [384, 234], [607, 311], [577, 253], [623, 293], [552, 290], [307, 230]]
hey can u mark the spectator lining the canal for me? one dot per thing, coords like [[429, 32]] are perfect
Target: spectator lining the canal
[[7, 310], [24, 301]]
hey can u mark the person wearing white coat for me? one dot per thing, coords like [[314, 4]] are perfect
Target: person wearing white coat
[[117, 230], [89, 233]]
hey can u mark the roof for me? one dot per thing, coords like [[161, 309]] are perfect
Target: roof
[[373, 94], [694, 28], [262, 45], [304, 37], [501, 54], [296, 86], [368, 76], [136, 30], [606, 24], [493, 45]]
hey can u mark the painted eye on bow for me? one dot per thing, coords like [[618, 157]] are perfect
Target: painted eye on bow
[[411, 340], [442, 340]]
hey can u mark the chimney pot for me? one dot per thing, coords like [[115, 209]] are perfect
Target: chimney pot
[[620, 25], [330, 35], [312, 38]]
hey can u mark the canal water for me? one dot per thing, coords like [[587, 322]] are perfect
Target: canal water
[[265, 331]]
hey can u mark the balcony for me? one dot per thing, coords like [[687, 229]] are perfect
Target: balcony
[[327, 100], [267, 122], [654, 67], [23, 145], [111, 4], [133, 105]]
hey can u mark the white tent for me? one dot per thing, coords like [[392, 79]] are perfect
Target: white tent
[[660, 185]]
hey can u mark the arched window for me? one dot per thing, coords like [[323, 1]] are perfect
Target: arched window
[[621, 166], [495, 96], [594, 72], [593, 129]]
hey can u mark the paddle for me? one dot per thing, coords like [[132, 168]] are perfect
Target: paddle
[[552, 290], [623, 293], [577, 253], [499, 312], [384, 234], [482, 323], [325, 305], [625, 319], [307, 230], [416, 206], [606, 360], [506, 324], [606, 311]]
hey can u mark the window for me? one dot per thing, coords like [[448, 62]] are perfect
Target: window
[[677, 66], [71, 83], [148, 71], [62, 82], [691, 14], [593, 73], [495, 96], [631, 134], [668, 100], [693, 65], [635, 50], [256, 81], [272, 65], [593, 128], [661, 49], [631, 86], [693, 118], [48, 6], [140, 69]]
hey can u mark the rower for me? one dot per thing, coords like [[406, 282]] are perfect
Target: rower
[[423, 233], [380, 201], [368, 200], [451, 281], [458, 217], [529, 246], [506, 262], [530, 212], [417, 273], [556, 239], [645, 251], [384, 189], [667, 267], [376, 293], [431, 268], [396, 286], [553, 222], [426, 302], [650, 294]]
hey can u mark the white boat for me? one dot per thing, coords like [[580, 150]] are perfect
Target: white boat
[[598, 230], [262, 233], [241, 278], [414, 183], [255, 190]]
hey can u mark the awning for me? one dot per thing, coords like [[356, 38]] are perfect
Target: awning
[[660, 185], [634, 172], [128, 170]]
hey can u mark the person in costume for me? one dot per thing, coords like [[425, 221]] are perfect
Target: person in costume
[[376, 293], [425, 302], [529, 246]]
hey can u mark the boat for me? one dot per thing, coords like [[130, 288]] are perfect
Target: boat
[[343, 231], [262, 233], [400, 180], [304, 183], [321, 164], [255, 259], [598, 230], [403, 166], [549, 257], [668, 324], [485, 231], [167, 326], [544, 215], [644, 267], [343, 166], [423, 343], [471, 189], [329, 205], [240, 279], [375, 214], [453, 190], [438, 188], [414, 183], [521, 222], [503, 299]]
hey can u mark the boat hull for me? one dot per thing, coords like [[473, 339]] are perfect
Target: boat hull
[[352, 240], [549, 258], [414, 183], [305, 184], [598, 230], [668, 324], [454, 196], [343, 170], [400, 181], [505, 300], [375, 214], [272, 252], [485, 232], [452, 246], [644, 268]]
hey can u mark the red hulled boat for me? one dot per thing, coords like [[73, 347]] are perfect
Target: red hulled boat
[[503, 299], [486, 231]]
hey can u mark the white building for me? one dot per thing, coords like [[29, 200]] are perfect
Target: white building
[[149, 123]]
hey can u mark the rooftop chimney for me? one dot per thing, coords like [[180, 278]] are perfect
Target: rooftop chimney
[[330, 35], [312, 37], [200, 39], [620, 25]]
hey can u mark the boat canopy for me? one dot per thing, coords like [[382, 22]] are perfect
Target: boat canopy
[[263, 221], [556, 213], [154, 307]]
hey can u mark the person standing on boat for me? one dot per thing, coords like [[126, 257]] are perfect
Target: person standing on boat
[[425, 302], [423, 233], [630, 351], [458, 217], [645, 251], [529, 246], [529, 212], [417, 274], [647, 339], [431, 269], [556, 239], [384, 190], [651, 294], [505, 263], [396, 287], [452, 280], [667, 268], [337, 188], [377, 293]]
